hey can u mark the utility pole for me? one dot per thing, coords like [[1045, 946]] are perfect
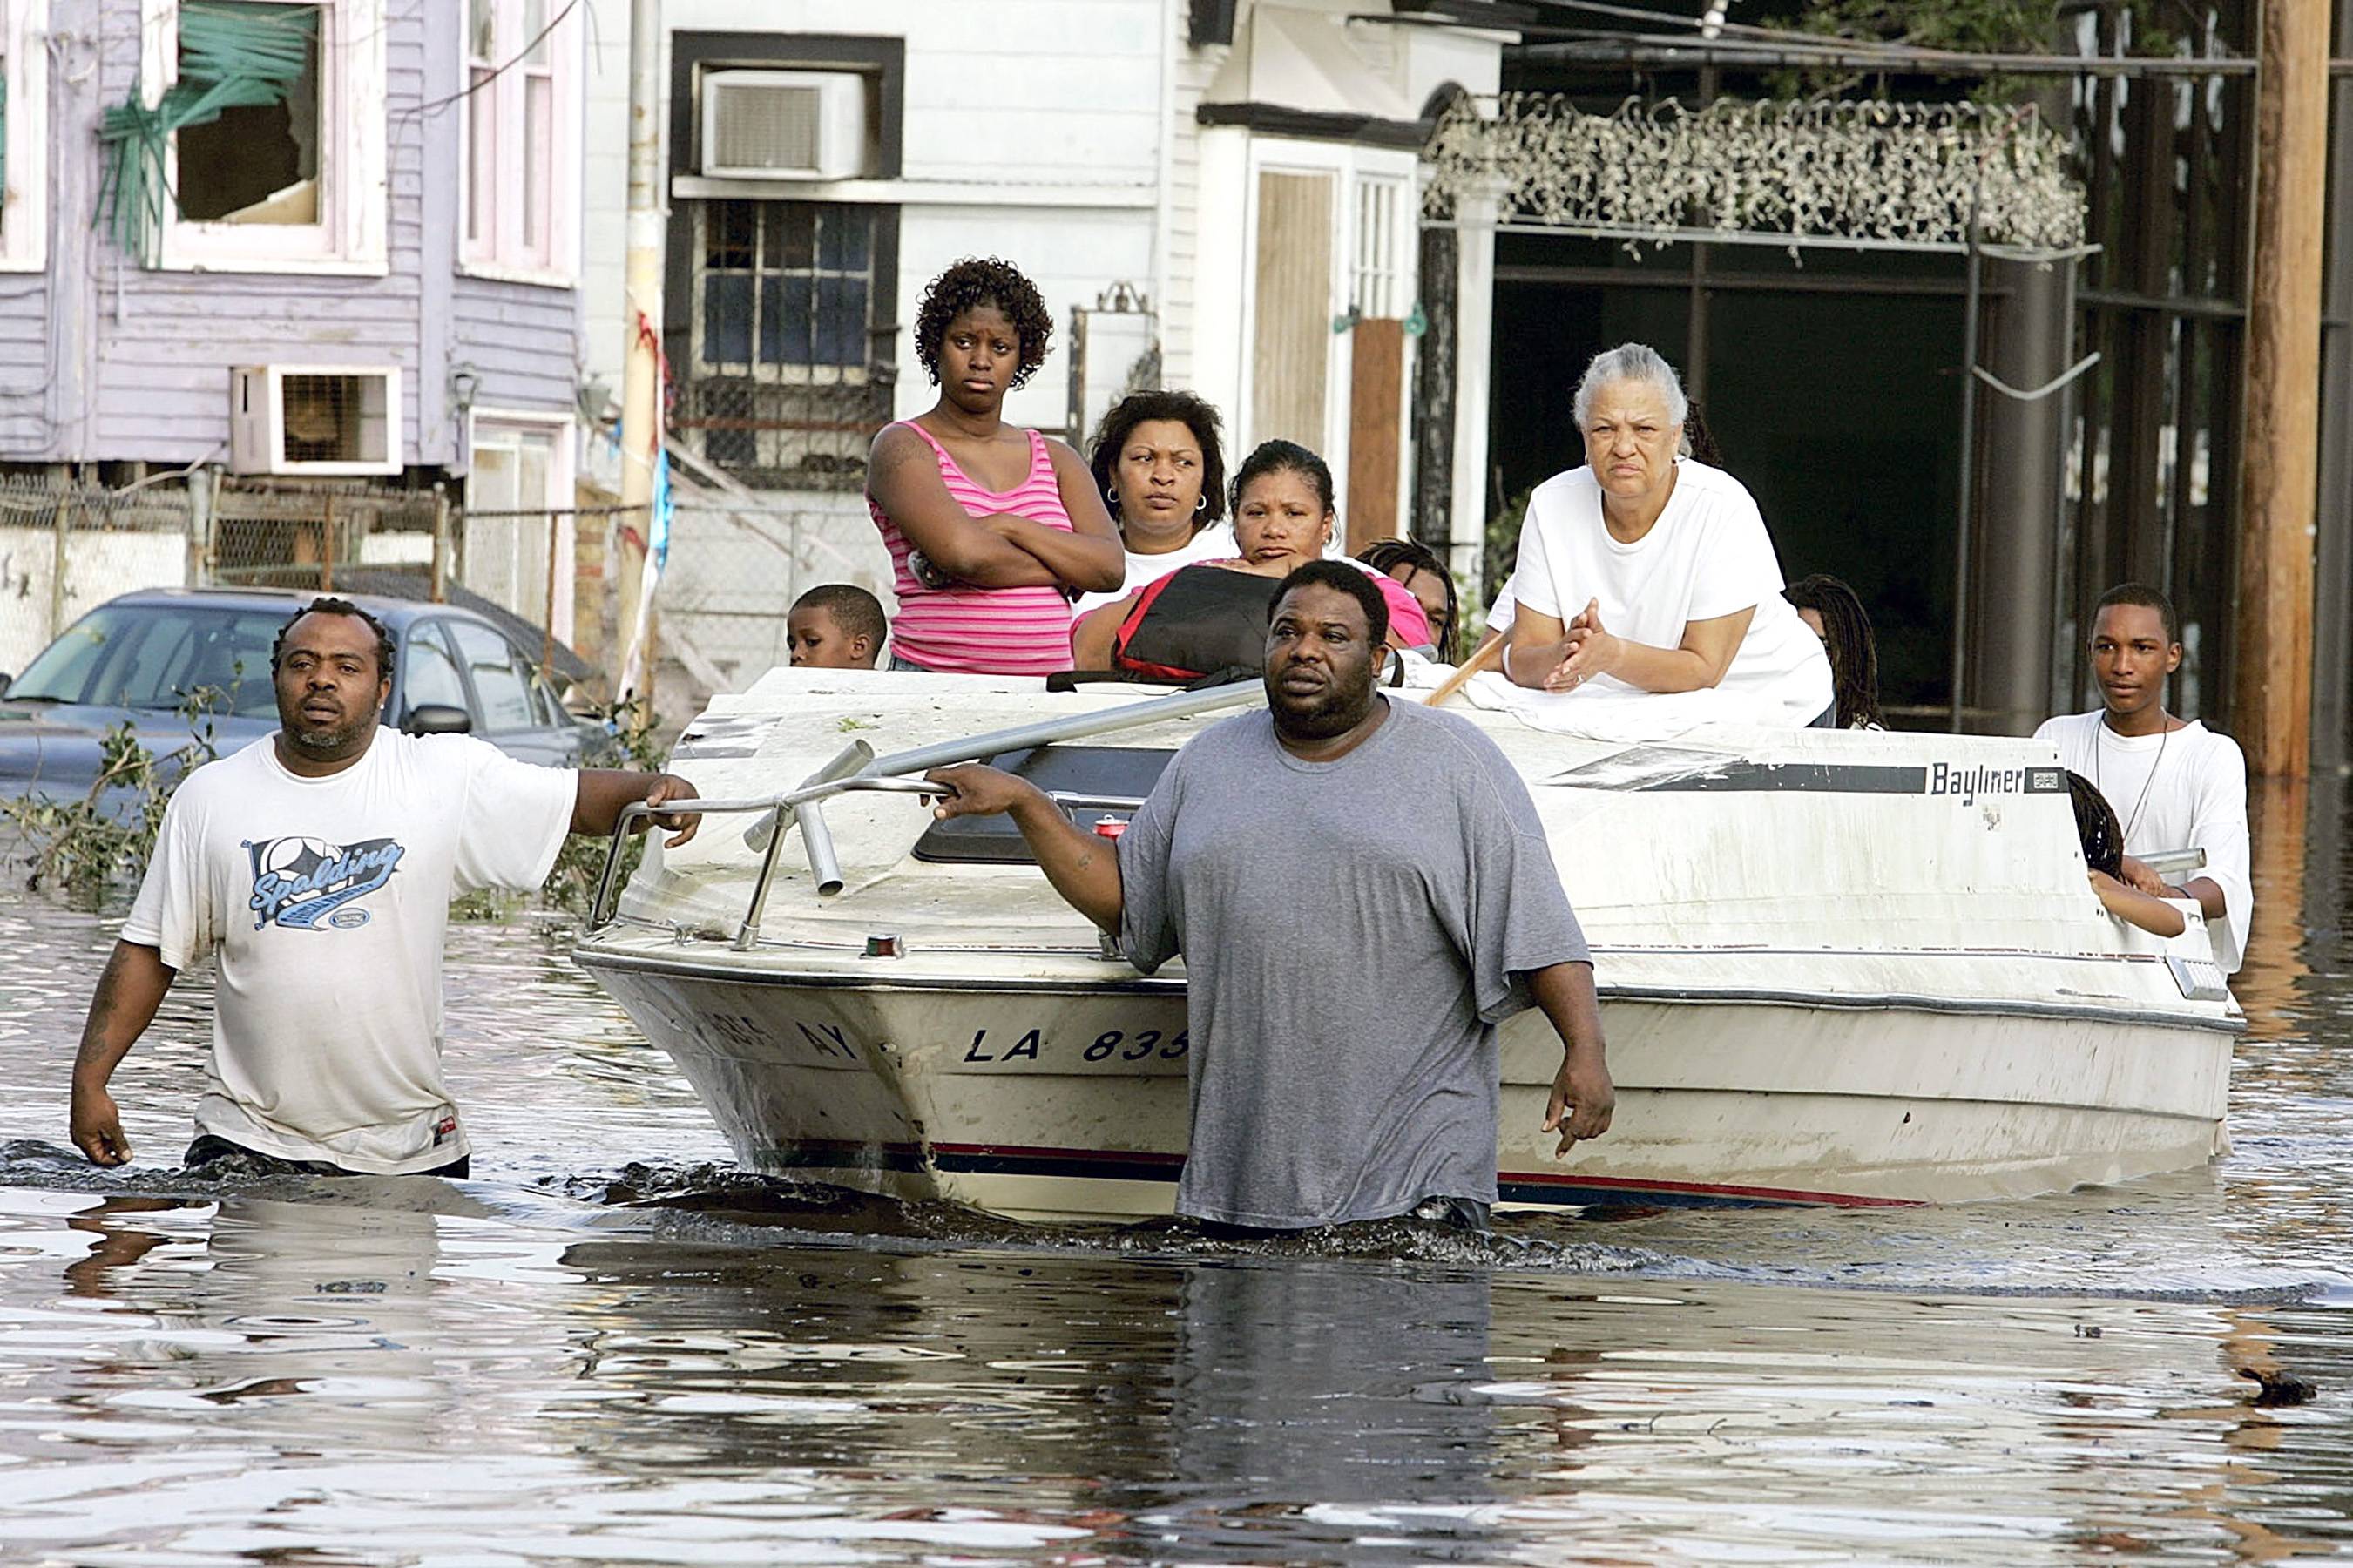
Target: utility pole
[[2279, 465], [641, 312]]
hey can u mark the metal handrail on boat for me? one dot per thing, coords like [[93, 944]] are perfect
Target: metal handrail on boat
[[856, 768], [799, 800]]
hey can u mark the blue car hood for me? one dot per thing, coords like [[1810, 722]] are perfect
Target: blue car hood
[[53, 748]]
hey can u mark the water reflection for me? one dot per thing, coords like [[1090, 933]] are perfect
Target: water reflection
[[615, 1348], [1303, 1390], [2267, 983]]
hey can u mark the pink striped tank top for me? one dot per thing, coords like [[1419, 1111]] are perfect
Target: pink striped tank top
[[982, 631]]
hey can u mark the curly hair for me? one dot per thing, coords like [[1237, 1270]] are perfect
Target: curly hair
[[1141, 407], [334, 606], [973, 282]]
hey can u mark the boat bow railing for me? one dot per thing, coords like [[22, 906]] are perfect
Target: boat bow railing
[[856, 769]]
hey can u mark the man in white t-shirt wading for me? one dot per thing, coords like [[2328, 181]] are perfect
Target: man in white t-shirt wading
[[2173, 785], [320, 862]]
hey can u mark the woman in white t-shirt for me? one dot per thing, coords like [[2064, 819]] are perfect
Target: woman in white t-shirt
[[1649, 571], [1157, 460]]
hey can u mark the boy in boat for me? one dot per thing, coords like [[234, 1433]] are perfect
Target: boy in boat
[[1362, 890], [835, 625], [319, 861], [2176, 784]]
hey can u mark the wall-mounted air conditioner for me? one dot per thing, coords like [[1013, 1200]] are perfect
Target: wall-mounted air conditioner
[[322, 420], [783, 125]]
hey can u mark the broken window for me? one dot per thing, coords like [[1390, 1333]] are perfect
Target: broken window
[[248, 138], [254, 139]]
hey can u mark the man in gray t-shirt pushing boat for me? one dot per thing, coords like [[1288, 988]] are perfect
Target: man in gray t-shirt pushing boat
[[1362, 892]]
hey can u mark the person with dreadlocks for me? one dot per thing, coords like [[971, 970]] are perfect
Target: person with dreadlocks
[[1417, 569], [990, 526], [1833, 613]]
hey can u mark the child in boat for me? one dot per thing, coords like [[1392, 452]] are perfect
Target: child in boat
[[2103, 850], [835, 625]]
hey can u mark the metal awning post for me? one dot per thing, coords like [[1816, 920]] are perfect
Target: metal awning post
[[1971, 292]]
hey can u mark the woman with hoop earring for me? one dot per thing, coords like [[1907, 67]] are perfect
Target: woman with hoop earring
[[1159, 462]]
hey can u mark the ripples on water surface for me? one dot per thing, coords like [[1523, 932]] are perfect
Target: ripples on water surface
[[611, 1347]]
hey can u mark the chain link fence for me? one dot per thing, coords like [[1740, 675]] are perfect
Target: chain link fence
[[783, 436], [736, 566], [65, 549], [737, 563]]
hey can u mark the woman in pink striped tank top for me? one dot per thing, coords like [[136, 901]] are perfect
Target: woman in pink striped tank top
[[990, 527]]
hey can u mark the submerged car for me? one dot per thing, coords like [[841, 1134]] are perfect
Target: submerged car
[[176, 663]]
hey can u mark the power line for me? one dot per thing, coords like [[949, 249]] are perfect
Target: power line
[[435, 106]]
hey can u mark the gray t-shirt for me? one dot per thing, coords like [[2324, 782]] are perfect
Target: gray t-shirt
[[1353, 932]]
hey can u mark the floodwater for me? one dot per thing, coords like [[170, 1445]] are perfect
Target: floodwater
[[610, 1348]]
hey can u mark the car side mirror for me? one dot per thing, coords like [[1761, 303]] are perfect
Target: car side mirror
[[5, 682], [438, 719]]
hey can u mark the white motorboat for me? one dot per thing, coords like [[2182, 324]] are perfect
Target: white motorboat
[[1835, 967]]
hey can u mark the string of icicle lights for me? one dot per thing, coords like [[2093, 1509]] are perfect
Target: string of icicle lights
[[1826, 171]]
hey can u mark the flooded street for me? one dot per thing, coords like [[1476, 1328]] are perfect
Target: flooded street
[[608, 1347]]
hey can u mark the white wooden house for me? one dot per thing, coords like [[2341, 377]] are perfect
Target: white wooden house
[[1225, 184]]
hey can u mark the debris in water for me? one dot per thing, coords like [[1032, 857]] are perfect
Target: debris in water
[[2279, 1388]]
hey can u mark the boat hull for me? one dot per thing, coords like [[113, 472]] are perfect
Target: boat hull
[[1064, 1099], [1836, 967]]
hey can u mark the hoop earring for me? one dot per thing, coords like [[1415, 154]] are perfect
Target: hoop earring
[[1111, 497], [1201, 502]]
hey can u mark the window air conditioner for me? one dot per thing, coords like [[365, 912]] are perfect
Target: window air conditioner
[[324, 419], [783, 125]]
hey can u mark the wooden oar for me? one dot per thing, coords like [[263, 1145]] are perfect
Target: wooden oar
[[1484, 658]]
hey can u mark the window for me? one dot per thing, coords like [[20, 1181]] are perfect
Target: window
[[427, 673], [1378, 284], [500, 679], [24, 135], [274, 158], [522, 143], [151, 656], [783, 388], [518, 508]]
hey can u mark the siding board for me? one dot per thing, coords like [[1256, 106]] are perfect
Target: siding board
[[119, 361]]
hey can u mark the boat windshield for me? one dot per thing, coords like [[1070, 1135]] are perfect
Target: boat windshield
[[1118, 772], [158, 656]]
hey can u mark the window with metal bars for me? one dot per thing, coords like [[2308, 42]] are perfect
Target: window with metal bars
[[788, 378]]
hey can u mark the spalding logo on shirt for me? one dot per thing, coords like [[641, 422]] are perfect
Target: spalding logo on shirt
[[308, 883]]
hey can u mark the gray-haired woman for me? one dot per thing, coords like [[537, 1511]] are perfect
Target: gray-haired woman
[[1648, 571]]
